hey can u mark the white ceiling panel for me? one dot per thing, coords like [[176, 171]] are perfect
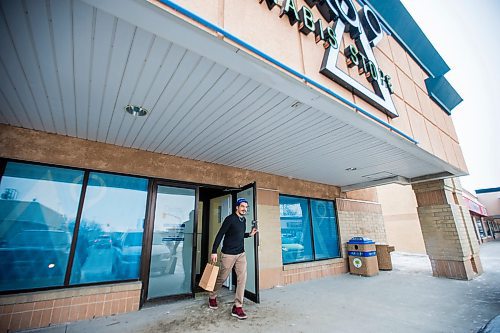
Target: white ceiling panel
[[176, 93], [298, 146], [231, 130], [70, 67], [8, 105], [156, 97], [121, 43], [83, 33], [144, 86], [45, 62], [193, 139], [210, 116], [137, 57], [105, 24], [197, 90], [218, 85], [61, 27], [17, 90], [287, 130]]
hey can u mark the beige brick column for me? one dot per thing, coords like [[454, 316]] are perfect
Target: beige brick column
[[447, 229], [270, 263]]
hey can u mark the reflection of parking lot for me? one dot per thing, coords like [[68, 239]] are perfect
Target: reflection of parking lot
[[34, 258], [117, 257], [170, 284], [98, 265]]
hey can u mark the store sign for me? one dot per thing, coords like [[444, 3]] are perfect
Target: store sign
[[475, 207], [340, 16]]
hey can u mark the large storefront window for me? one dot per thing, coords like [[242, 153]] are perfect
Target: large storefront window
[[296, 243], [324, 229], [38, 214], [38, 206], [109, 242], [302, 221]]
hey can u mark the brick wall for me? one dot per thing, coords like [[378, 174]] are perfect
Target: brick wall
[[313, 270], [46, 308], [360, 218]]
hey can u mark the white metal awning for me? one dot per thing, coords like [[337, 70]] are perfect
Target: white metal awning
[[70, 67]]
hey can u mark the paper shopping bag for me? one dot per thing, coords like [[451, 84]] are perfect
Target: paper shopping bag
[[209, 277]]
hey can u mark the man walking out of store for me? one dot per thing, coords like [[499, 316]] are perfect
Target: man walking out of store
[[233, 255]]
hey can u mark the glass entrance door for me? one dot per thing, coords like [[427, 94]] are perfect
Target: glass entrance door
[[171, 262], [251, 244], [220, 208]]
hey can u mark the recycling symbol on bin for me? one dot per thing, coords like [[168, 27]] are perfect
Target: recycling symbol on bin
[[357, 262]]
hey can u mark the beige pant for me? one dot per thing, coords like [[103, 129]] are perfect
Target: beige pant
[[239, 262]]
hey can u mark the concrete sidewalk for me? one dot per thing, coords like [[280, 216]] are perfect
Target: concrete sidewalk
[[407, 299]]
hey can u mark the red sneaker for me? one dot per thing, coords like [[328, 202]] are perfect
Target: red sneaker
[[212, 303], [238, 312]]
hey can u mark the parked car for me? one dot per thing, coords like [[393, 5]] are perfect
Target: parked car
[[102, 242]]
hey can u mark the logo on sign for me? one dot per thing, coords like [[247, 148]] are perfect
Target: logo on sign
[[364, 28], [357, 262]]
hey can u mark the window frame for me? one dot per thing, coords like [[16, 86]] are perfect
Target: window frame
[[71, 258], [312, 229], [145, 269]]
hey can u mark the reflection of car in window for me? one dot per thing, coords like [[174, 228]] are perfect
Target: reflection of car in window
[[291, 249], [161, 258], [35, 253], [127, 255], [102, 242], [292, 252]]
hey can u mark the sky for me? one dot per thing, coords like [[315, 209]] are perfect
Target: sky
[[466, 35]]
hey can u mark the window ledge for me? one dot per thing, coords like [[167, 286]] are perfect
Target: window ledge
[[38, 296], [313, 264]]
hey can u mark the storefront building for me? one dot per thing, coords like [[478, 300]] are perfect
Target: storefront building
[[129, 128], [478, 214], [490, 199]]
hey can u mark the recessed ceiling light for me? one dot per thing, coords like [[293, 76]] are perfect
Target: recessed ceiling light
[[136, 111], [351, 169]]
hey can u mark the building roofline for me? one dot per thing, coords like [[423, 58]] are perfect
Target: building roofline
[[487, 190], [401, 25]]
